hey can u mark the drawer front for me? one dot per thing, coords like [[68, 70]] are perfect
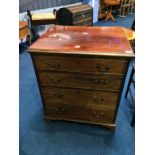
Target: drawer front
[[105, 82], [83, 65], [75, 112], [80, 97]]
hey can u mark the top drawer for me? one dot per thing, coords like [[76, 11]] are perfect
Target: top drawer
[[82, 65]]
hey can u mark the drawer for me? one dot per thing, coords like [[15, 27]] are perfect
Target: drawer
[[71, 80], [80, 97], [75, 112], [83, 65]]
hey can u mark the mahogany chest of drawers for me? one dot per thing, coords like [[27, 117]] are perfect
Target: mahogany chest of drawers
[[81, 72], [80, 15]]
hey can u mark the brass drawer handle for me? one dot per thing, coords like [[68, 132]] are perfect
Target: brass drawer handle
[[97, 115], [58, 95], [98, 100], [60, 110], [53, 66], [98, 81], [100, 69], [55, 80]]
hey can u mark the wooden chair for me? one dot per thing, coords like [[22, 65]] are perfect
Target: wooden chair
[[126, 7], [131, 7]]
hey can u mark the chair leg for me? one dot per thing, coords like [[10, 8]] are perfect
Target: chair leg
[[133, 120], [129, 83], [29, 39], [112, 17]]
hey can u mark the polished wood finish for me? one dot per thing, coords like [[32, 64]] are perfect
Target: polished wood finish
[[81, 72], [111, 2], [103, 41], [23, 31]]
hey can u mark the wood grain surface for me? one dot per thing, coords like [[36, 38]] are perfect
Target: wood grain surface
[[110, 41]]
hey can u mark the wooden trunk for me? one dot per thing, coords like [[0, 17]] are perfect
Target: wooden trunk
[[81, 72], [80, 15]]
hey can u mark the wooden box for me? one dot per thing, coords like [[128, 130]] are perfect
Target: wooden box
[[81, 72], [80, 15]]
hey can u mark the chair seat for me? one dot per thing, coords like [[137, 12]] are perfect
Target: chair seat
[[22, 24], [43, 16]]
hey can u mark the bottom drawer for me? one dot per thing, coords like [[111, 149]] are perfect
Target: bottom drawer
[[75, 112]]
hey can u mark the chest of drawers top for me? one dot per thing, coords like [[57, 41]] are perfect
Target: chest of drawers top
[[102, 41]]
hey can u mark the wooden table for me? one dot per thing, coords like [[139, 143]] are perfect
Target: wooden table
[[111, 3], [81, 72], [23, 31]]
